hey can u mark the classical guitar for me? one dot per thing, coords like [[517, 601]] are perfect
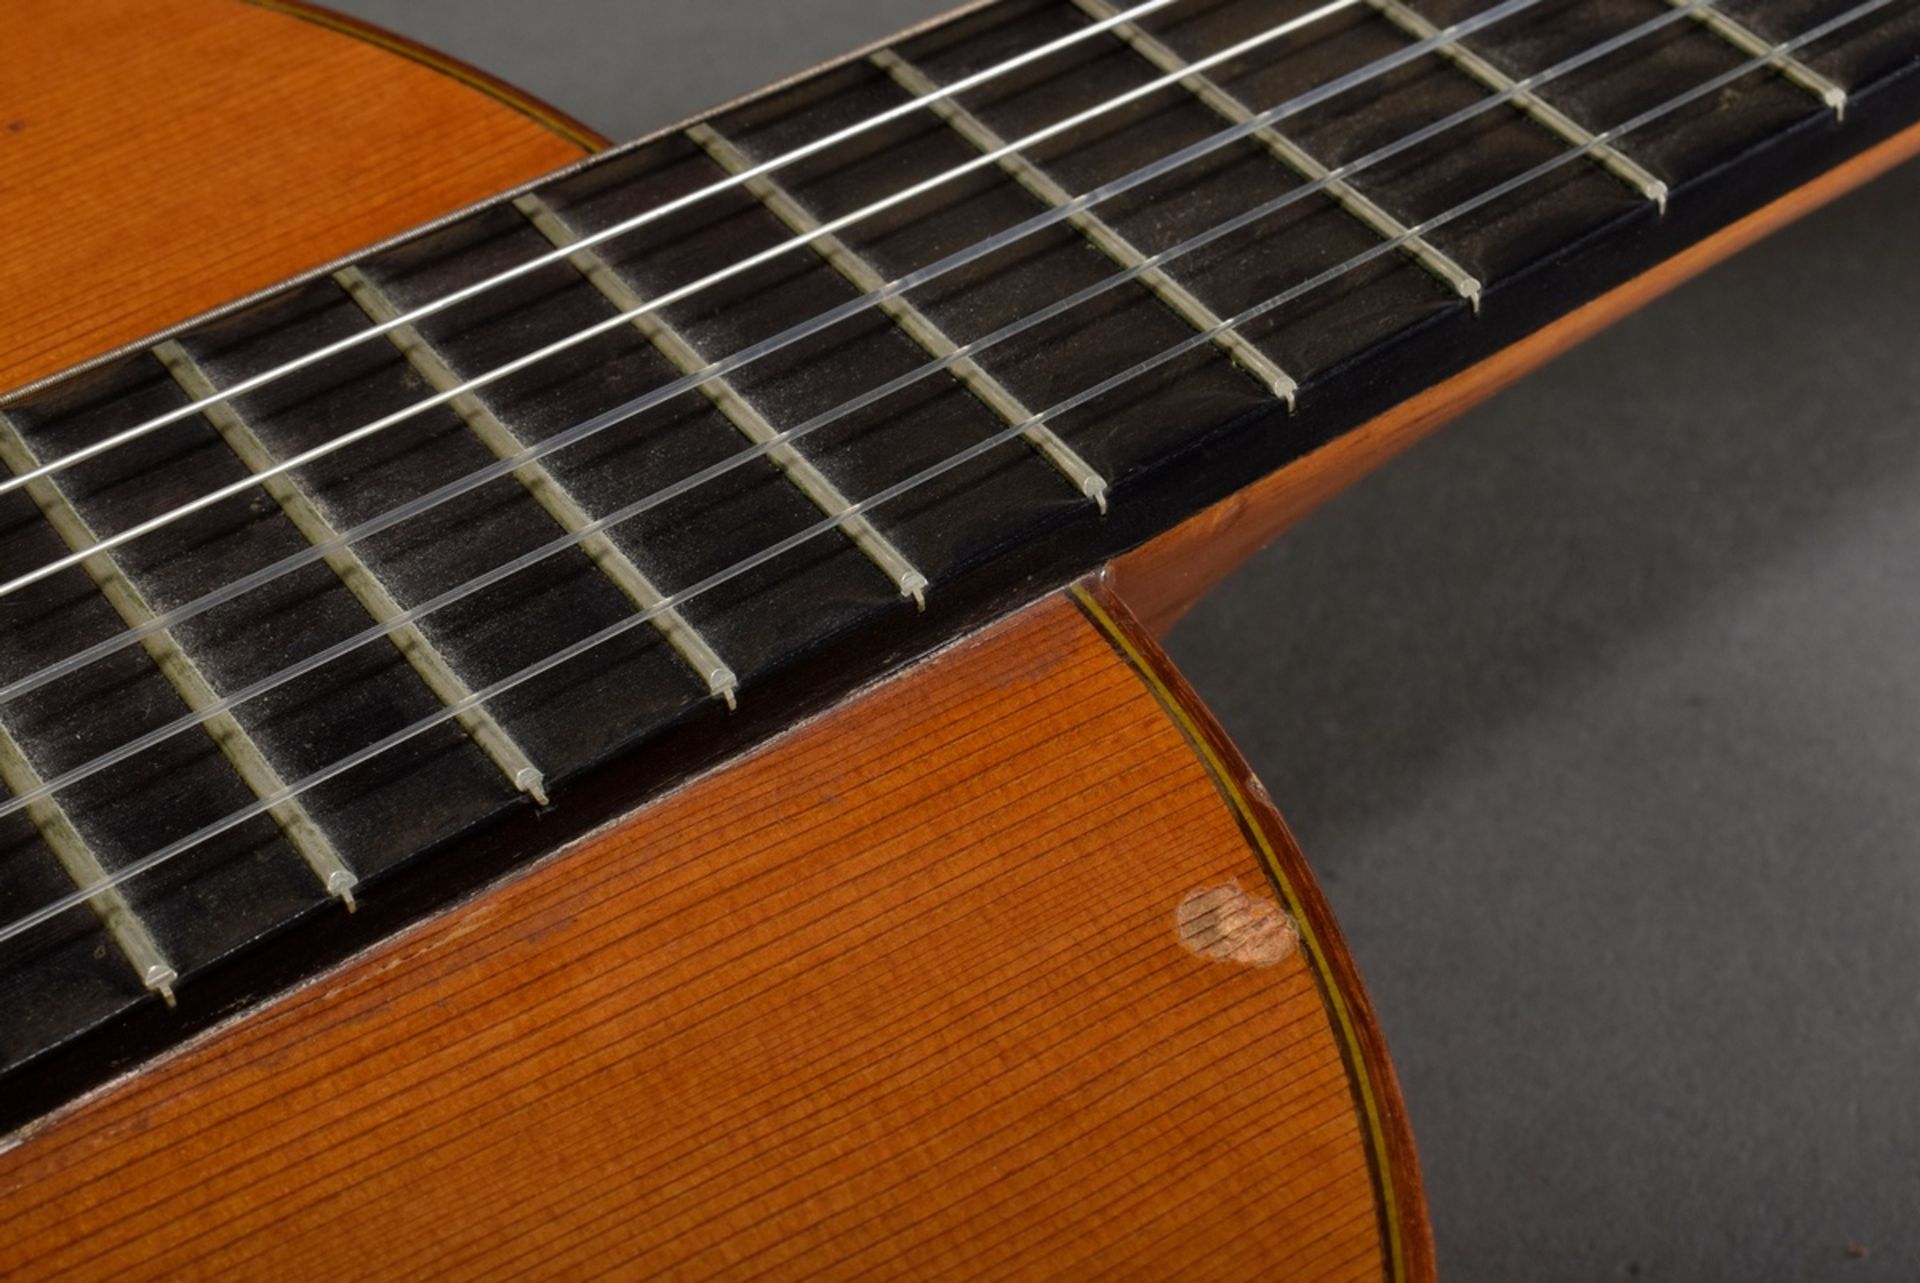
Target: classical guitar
[[580, 710]]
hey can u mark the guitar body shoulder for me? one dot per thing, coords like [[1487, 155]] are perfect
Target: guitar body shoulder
[[1005, 968]]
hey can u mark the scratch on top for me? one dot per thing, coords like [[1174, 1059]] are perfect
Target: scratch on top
[[1226, 924]]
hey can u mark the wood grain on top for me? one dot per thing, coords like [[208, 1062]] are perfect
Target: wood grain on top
[[976, 976]]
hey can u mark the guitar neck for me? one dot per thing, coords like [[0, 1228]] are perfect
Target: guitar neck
[[787, 398]]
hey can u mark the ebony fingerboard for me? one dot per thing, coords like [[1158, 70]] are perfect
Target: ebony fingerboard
[[235, 916]]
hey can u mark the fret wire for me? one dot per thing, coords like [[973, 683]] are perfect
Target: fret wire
[[546, 489], [125, 926], [797, 333], [872, 396], [1108, 239], [1612, 159], [586, 644], [739, 266], [249, 761], [639, 220], [727, 399], [1751, 43], [916, 324], [1288, 152], [433, 667]]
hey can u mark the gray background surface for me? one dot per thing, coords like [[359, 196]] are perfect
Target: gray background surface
[[1598, 715]]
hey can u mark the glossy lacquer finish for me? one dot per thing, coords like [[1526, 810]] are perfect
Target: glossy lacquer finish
[[1062, 438]]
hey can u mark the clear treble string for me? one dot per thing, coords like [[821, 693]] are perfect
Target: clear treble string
[[759, 350], [870, 397]]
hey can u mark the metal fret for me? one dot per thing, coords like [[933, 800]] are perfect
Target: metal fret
[[911, 320], [130, 934], [1289, 153], [546, 489], [434, 668], [1096, 229], [240, 748], [728, 399], [1612, 159], [1754, 45]]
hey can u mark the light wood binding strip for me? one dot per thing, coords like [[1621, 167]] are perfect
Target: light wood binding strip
[[544, 114], [902, 994], [1289, 153], [1611, 158], [434, 668], [56, 828], [916, 324], [1754, 45], [1105, 237], [1376, 1092], [545, 488], [302, 833], [728, 400]]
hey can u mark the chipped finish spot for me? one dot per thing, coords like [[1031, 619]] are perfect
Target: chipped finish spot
[[1226, 924]]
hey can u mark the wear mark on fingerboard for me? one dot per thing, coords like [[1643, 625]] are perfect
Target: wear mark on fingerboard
[[182, 673], [916, 324], [1754, 45], [546, 489], [728, 400], [1108, 239], [299, 507], [1542, 112], [128, 932], [1290, 153]]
